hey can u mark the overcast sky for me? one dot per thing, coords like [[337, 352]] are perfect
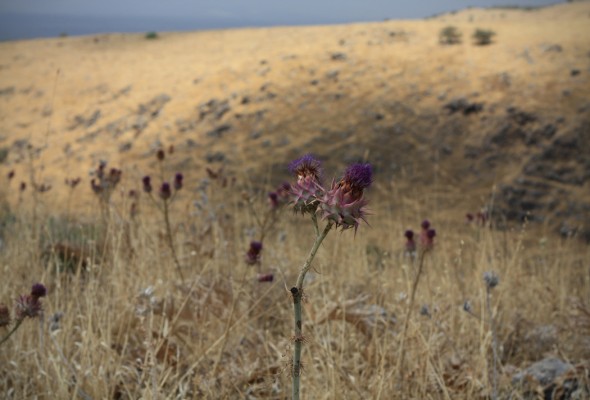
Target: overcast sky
[[208, 14]]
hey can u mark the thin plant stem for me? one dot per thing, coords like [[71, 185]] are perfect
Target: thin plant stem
[[297, 293], [408, 315], [9, 334], [171, 240], [494, 345]]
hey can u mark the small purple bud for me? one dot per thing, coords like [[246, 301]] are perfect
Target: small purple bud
[[431, 233], [425, 224], [178, 181], [253, 254], [409, 234], [165, 191], [38, 290], [265, 277], [273, 200], [147, 184]]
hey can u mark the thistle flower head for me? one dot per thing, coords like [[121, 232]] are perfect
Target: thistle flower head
[[491, 279], [178, 181], [265, 277], [410, 243], [306, 167], [344, 204], [273, 200], [147, 184], [253, 254], [165, 191], [38, 290], [425, 224], [160, 155], [357, 178]]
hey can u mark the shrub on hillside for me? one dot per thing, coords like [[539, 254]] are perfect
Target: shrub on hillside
[[483, 37], [449, 35], [151, 35]]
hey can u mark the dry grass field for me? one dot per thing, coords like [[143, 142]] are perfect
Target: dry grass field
[[156, 300]]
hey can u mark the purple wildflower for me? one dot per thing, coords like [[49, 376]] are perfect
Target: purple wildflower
[[273, 200], [253, 254], [306, 166], [265, 277], [178, 181], [344, 204], [165, 191], [38, 290], [425, 225], [410, 243]]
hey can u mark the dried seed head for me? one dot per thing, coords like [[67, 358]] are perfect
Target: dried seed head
[[160, 155], [28, 306], [491, 279], [467, 306]]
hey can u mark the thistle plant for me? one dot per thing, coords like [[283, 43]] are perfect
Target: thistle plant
[[426, 244], [27, 306], [342, 206], [166, 195], [103, 185]]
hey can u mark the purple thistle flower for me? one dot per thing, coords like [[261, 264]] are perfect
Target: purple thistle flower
[[306, 167], [147, 184], [253, 254], [427, 237], [178, 181], [38, 290], [425, 224], [273, 200], [165, 191], [410, 243], [265, 278], [357, 178]]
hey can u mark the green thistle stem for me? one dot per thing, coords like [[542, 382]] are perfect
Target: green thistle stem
[[171, 240], [9, 334], [297, 293]]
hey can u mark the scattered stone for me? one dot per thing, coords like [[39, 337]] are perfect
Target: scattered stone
[[552, 48], [338, 56], [154, 106], [545, 376], [219, 131], [333, 74], [125, 147], [217, 156], [520, 117], [463, 106], [85, 122], [7, 91], [575, 72], [255, 135], [314, 82], [214, 107]]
